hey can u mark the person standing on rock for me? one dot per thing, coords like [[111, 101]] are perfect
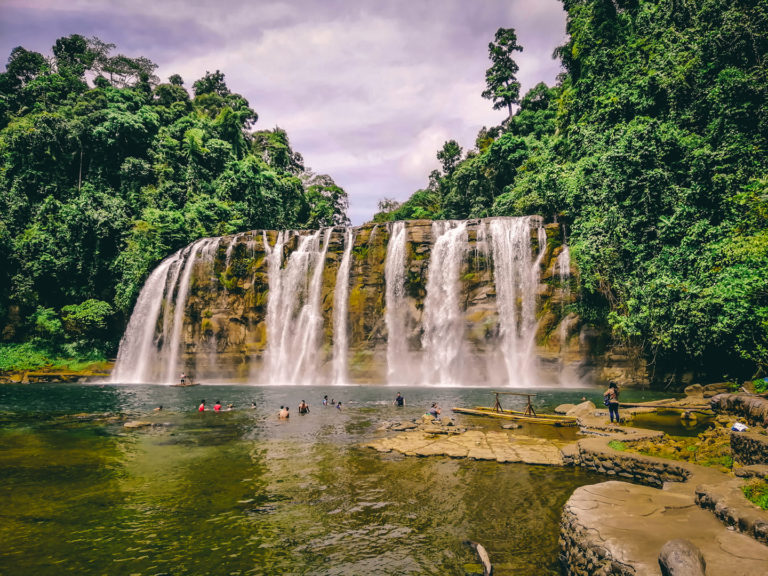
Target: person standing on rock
[[612, 398]]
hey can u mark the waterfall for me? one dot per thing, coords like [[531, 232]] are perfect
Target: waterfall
[[137, 347], [395, 302], [563, 266], [443, 319], [294, 314], [563, 271], [482, 253], [516, 279], [340, 312], [230, 249], [473, 320], [208, 261], [174, 342]]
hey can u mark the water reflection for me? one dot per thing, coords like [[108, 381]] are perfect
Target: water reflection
[[242, 492]]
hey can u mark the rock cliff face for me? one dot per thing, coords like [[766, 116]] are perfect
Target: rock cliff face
[[225, 330]]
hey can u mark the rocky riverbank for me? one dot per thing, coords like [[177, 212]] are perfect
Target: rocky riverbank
[[90, 373], [698, 516]]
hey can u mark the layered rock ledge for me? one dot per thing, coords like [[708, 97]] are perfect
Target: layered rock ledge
[[473, 444], [754, 409], [619, 528]]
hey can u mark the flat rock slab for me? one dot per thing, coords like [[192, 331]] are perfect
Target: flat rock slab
[[632, 523], [474, 444]]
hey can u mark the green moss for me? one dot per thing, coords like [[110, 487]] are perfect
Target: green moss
[[756, 492], [228, 281], [711, 448], [256, 264], [261, 298], [617, 445]]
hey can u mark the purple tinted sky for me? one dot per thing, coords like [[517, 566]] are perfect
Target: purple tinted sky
[[368, 90]]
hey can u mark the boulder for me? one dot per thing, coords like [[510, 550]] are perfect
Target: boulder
[[581, 410], [680, 557], [694, 390], [563, 408]]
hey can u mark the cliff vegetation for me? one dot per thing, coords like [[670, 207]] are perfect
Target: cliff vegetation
[[652, 150]]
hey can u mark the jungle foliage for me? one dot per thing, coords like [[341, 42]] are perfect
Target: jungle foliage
[[652, 150], [104, 171]]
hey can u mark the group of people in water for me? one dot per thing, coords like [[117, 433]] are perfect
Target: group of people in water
[[217, 407], [304, 408], [399, 401], [610, 399], [285, 411]]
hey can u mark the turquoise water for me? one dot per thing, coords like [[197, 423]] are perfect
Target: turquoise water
[[242, 492]]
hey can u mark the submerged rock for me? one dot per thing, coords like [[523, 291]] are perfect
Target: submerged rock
[[134, 424]]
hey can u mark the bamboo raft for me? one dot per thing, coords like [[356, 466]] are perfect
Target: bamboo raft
[[528, 415]]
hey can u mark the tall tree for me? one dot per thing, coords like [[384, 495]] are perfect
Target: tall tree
[[501, 83]]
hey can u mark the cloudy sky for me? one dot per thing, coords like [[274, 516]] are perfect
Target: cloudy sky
[[368, 90]]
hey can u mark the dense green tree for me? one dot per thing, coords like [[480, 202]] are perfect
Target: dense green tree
[[99, 183], [653, 150]]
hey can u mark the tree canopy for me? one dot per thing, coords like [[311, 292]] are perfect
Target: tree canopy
[[101, 179]]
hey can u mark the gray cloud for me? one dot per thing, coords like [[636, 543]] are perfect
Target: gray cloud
[[367, 90]]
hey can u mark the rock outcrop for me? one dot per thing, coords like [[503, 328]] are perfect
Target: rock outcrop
[[754, 409]]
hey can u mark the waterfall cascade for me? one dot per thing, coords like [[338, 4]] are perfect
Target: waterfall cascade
[[443, 321], [516, 280], [432, 303], [138, 343], [296, 320], [395, 302], [341, 311]]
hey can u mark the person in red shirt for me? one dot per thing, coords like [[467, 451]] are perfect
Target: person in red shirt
[[217, 406], [201, 408]]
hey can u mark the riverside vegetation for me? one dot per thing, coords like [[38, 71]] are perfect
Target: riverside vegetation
[[650, 149], [100, 180]]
